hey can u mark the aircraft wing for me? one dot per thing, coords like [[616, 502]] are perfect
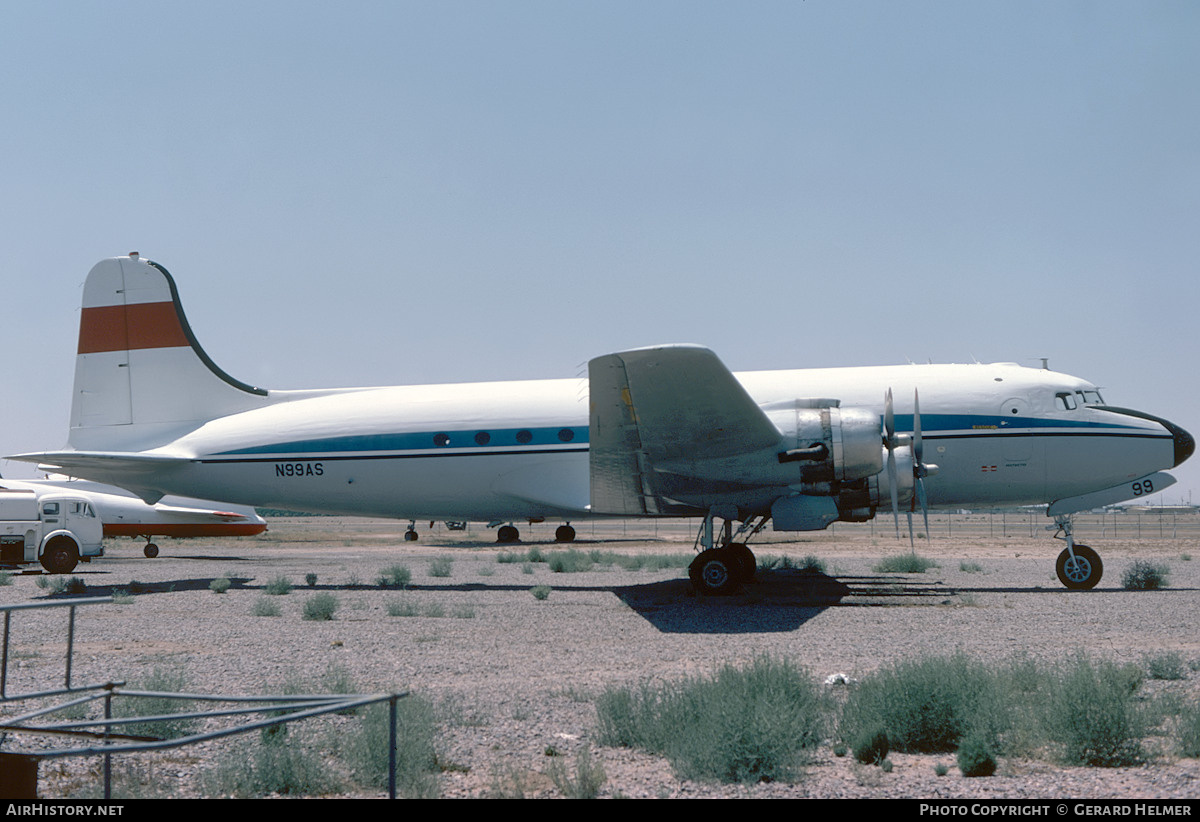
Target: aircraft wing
[[652, 407]]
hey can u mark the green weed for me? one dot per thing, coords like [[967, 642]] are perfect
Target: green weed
[[394, 576], [926, 705], [586, 780], [1188, 731], [1092, 713], [749, 724], [280, 586], [160, 680], [264, 607], [1168, 665], [320, 606], [569, 562], [273, 765], [1145, 576], [366, 750], [904, 564], [975, 757]]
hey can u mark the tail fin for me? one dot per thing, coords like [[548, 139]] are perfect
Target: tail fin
[[141, 378]]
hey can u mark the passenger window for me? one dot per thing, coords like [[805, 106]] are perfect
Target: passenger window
[[50, 508]]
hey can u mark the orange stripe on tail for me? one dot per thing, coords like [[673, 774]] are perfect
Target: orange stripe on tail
[[130, 327]]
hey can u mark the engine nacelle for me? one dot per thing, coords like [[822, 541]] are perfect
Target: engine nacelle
[[829, 443]]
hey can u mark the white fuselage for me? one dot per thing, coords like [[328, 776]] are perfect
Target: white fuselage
[[1000, 435]]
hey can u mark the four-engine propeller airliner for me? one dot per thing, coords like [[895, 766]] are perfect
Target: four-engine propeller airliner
[[667, 431]]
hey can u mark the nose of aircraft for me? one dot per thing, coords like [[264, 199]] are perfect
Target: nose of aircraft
[[1185, 443]]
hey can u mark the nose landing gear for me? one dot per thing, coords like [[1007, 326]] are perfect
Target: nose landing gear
[[1078, 567]]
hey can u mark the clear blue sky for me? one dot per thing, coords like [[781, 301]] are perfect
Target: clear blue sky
[[373, 193]]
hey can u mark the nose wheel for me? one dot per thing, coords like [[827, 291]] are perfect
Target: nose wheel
[[1081, 571]]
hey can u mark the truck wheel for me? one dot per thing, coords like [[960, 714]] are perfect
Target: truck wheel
[[61, 556]]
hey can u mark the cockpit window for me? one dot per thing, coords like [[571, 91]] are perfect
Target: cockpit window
[[1070, 400]]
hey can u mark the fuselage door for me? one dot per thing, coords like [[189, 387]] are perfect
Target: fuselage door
[[1014, 418]]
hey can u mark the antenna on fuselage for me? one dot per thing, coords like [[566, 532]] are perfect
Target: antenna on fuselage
[[1045, 363]]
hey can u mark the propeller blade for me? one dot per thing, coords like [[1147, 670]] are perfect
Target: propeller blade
[[889, 430], [924, 508], [919, 468], [918, 448]]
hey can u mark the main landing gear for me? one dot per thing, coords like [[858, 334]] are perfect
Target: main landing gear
[[1078, 566], [509, 533], [722, 569]]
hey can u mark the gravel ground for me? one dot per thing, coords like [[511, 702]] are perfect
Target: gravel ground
[[513, 675]]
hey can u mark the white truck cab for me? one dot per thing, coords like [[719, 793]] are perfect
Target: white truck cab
[[57, 529]]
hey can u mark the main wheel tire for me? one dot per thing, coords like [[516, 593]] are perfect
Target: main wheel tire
[[410, 536], [716, 572], [61, 556], [746, 561], [507, 533], [1082, 572], [151, 550], [564, 533]]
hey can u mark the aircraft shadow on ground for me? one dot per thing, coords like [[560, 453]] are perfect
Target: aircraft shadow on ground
[[135, 588], [784, 600], [777, 600]]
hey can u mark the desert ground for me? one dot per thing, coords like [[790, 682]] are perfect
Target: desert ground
[[514, 676]]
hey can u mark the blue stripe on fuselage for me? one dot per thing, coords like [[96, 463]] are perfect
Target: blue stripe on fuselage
[[512, 440], [423, 441]]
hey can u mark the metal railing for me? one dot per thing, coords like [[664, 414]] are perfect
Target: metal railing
[[71, 605], [108, 742], [100, 737]]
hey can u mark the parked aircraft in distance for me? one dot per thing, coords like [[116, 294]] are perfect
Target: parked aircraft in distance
[[125, 515], [654, 432]]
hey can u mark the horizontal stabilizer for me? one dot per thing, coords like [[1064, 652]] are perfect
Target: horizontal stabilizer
[[125, 470]]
